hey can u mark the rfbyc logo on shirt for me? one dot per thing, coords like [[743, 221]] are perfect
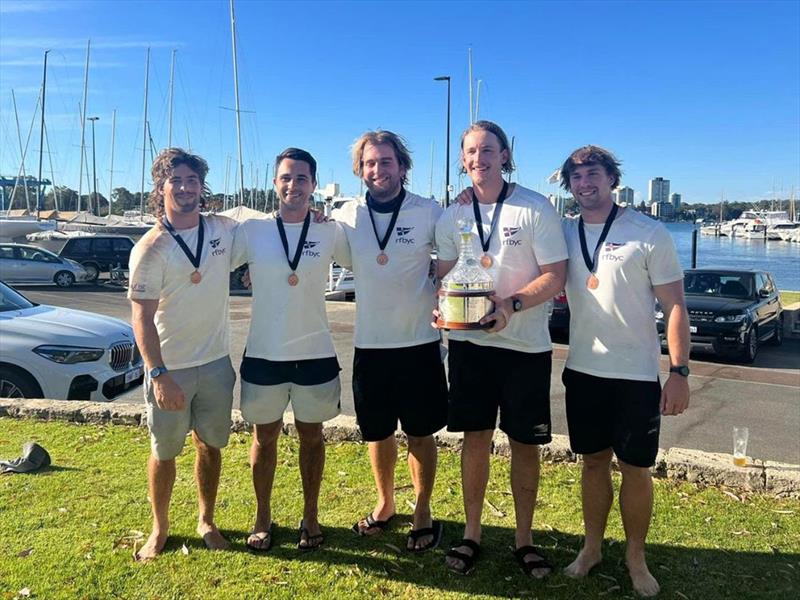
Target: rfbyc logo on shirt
[[610, 247], [307, 249], [217, 251], [402, 233], [510, 232]]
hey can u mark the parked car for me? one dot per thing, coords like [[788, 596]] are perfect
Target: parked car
[[559, 315], [99, 253], [63, 354], [732, 311], [23, 263]]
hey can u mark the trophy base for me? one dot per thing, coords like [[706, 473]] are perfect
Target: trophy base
[[442, 324]]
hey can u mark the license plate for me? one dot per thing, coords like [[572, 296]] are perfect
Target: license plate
[[692, 329], [133, 374]]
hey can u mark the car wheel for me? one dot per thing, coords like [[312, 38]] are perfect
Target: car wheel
[[777, 336], [93, 270], [750, 345], [15, 383], [64, 279]]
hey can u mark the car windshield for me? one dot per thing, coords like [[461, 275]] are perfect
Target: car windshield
[[727, 285], [12, 300]]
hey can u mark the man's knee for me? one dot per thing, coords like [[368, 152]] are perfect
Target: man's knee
[[310, 434], [632, 472], [598, 460], [420, 443], [267, 434], [202, 446]]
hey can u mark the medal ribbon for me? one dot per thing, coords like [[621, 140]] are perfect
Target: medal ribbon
[[591, 261], [300, 243], [385, 240], [495, 217], [193, 258]]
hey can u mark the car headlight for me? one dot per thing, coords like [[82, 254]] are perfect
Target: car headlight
[[731, 318], [69, 355]]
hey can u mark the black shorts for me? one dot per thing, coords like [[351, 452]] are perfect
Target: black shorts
[[314, 371], [607, 413], [484, 378], [405, 384]]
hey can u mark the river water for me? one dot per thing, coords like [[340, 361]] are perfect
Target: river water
[[782, 259]]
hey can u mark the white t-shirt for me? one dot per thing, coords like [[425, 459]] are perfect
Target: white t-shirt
[[191, 319], [393, 301], [289, 322], [612, 330], [527, 236]]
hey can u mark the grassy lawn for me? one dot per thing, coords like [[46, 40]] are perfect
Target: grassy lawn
[[788, 298], [68, 532]]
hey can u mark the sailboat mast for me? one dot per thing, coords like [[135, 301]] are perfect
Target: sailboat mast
[[471, 120], [171, 87], [41, 140], [22, 155], [111, 170], [144, 127], [83, 121], [238, 116]]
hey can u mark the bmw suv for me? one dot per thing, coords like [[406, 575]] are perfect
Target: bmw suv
[[732, 311]]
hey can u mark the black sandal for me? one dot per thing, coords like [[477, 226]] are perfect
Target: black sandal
[[529, 566], [372, 523], [468, 560], [435, 530], [312, 541]]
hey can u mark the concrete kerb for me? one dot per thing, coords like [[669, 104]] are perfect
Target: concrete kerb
[[694, 466]]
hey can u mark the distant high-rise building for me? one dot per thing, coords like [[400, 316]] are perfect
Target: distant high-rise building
[[624, 195], [657, 191], [667, 212], [675, 200]]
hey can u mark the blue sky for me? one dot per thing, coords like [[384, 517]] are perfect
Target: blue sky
[[706, 94]]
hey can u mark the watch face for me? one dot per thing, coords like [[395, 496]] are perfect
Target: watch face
[[516, 304], [683, 370]]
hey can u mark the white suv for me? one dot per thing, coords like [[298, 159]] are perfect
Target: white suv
[[63, 354]]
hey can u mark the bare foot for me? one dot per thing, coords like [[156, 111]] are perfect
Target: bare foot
[[584, 563], [212, 538], [152, 547], [644, 583]]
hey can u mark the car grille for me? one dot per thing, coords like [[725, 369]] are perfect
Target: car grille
[[701, 315], [123, 355]]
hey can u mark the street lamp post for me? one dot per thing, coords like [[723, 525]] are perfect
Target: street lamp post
[[94, 170], [447, 152]]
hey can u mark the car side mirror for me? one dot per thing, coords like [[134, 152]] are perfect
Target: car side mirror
[[763, 293]]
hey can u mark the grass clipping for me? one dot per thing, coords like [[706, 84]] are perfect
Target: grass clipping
[[69, 531]]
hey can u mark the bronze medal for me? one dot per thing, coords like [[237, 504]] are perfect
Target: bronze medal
[[196, 277], [486, 261], [293, 279], [592, 282], [382, 259]]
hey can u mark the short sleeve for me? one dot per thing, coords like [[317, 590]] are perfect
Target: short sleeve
[[548, 236], [341, 248], [446, 247], [663, 265], [239, 256], [436, 214], [146, 272]]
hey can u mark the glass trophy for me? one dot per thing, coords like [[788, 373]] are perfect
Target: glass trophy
[[465, 290]]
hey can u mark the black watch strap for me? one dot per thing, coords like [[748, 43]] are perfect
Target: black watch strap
[[682, 370]]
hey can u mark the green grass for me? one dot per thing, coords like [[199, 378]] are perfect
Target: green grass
[[788, 298], [68, 531]]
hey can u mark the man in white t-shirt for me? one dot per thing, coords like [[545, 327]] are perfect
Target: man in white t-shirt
[[506, 366], [397, 367], [620, 262], [178, 289], [289, 354]]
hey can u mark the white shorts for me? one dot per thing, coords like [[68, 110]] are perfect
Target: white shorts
[[209, 399], [261, 404]]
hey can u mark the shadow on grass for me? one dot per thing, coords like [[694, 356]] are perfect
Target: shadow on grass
[[682, 572]]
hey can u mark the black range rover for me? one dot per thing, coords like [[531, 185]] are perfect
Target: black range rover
[[731, 310]]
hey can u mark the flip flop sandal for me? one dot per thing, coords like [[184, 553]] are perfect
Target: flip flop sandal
[[468, 560], [529, 566], [261, 535], [312, 542], [372, 523], [435, 530]]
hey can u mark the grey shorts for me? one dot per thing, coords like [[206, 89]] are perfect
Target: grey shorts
[[261, 404], [209, 398]]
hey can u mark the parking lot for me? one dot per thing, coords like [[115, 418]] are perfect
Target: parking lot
[[764, 396]]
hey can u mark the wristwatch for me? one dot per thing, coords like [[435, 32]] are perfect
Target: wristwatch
[[681, 370], [157, 371], [516, 304]]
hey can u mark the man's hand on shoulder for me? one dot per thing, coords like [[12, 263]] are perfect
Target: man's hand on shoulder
[[675, 395], [318, 216], [465, 197], [168, 394]]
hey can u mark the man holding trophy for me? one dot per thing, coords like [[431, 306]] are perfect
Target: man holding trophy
[[506, 363]]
